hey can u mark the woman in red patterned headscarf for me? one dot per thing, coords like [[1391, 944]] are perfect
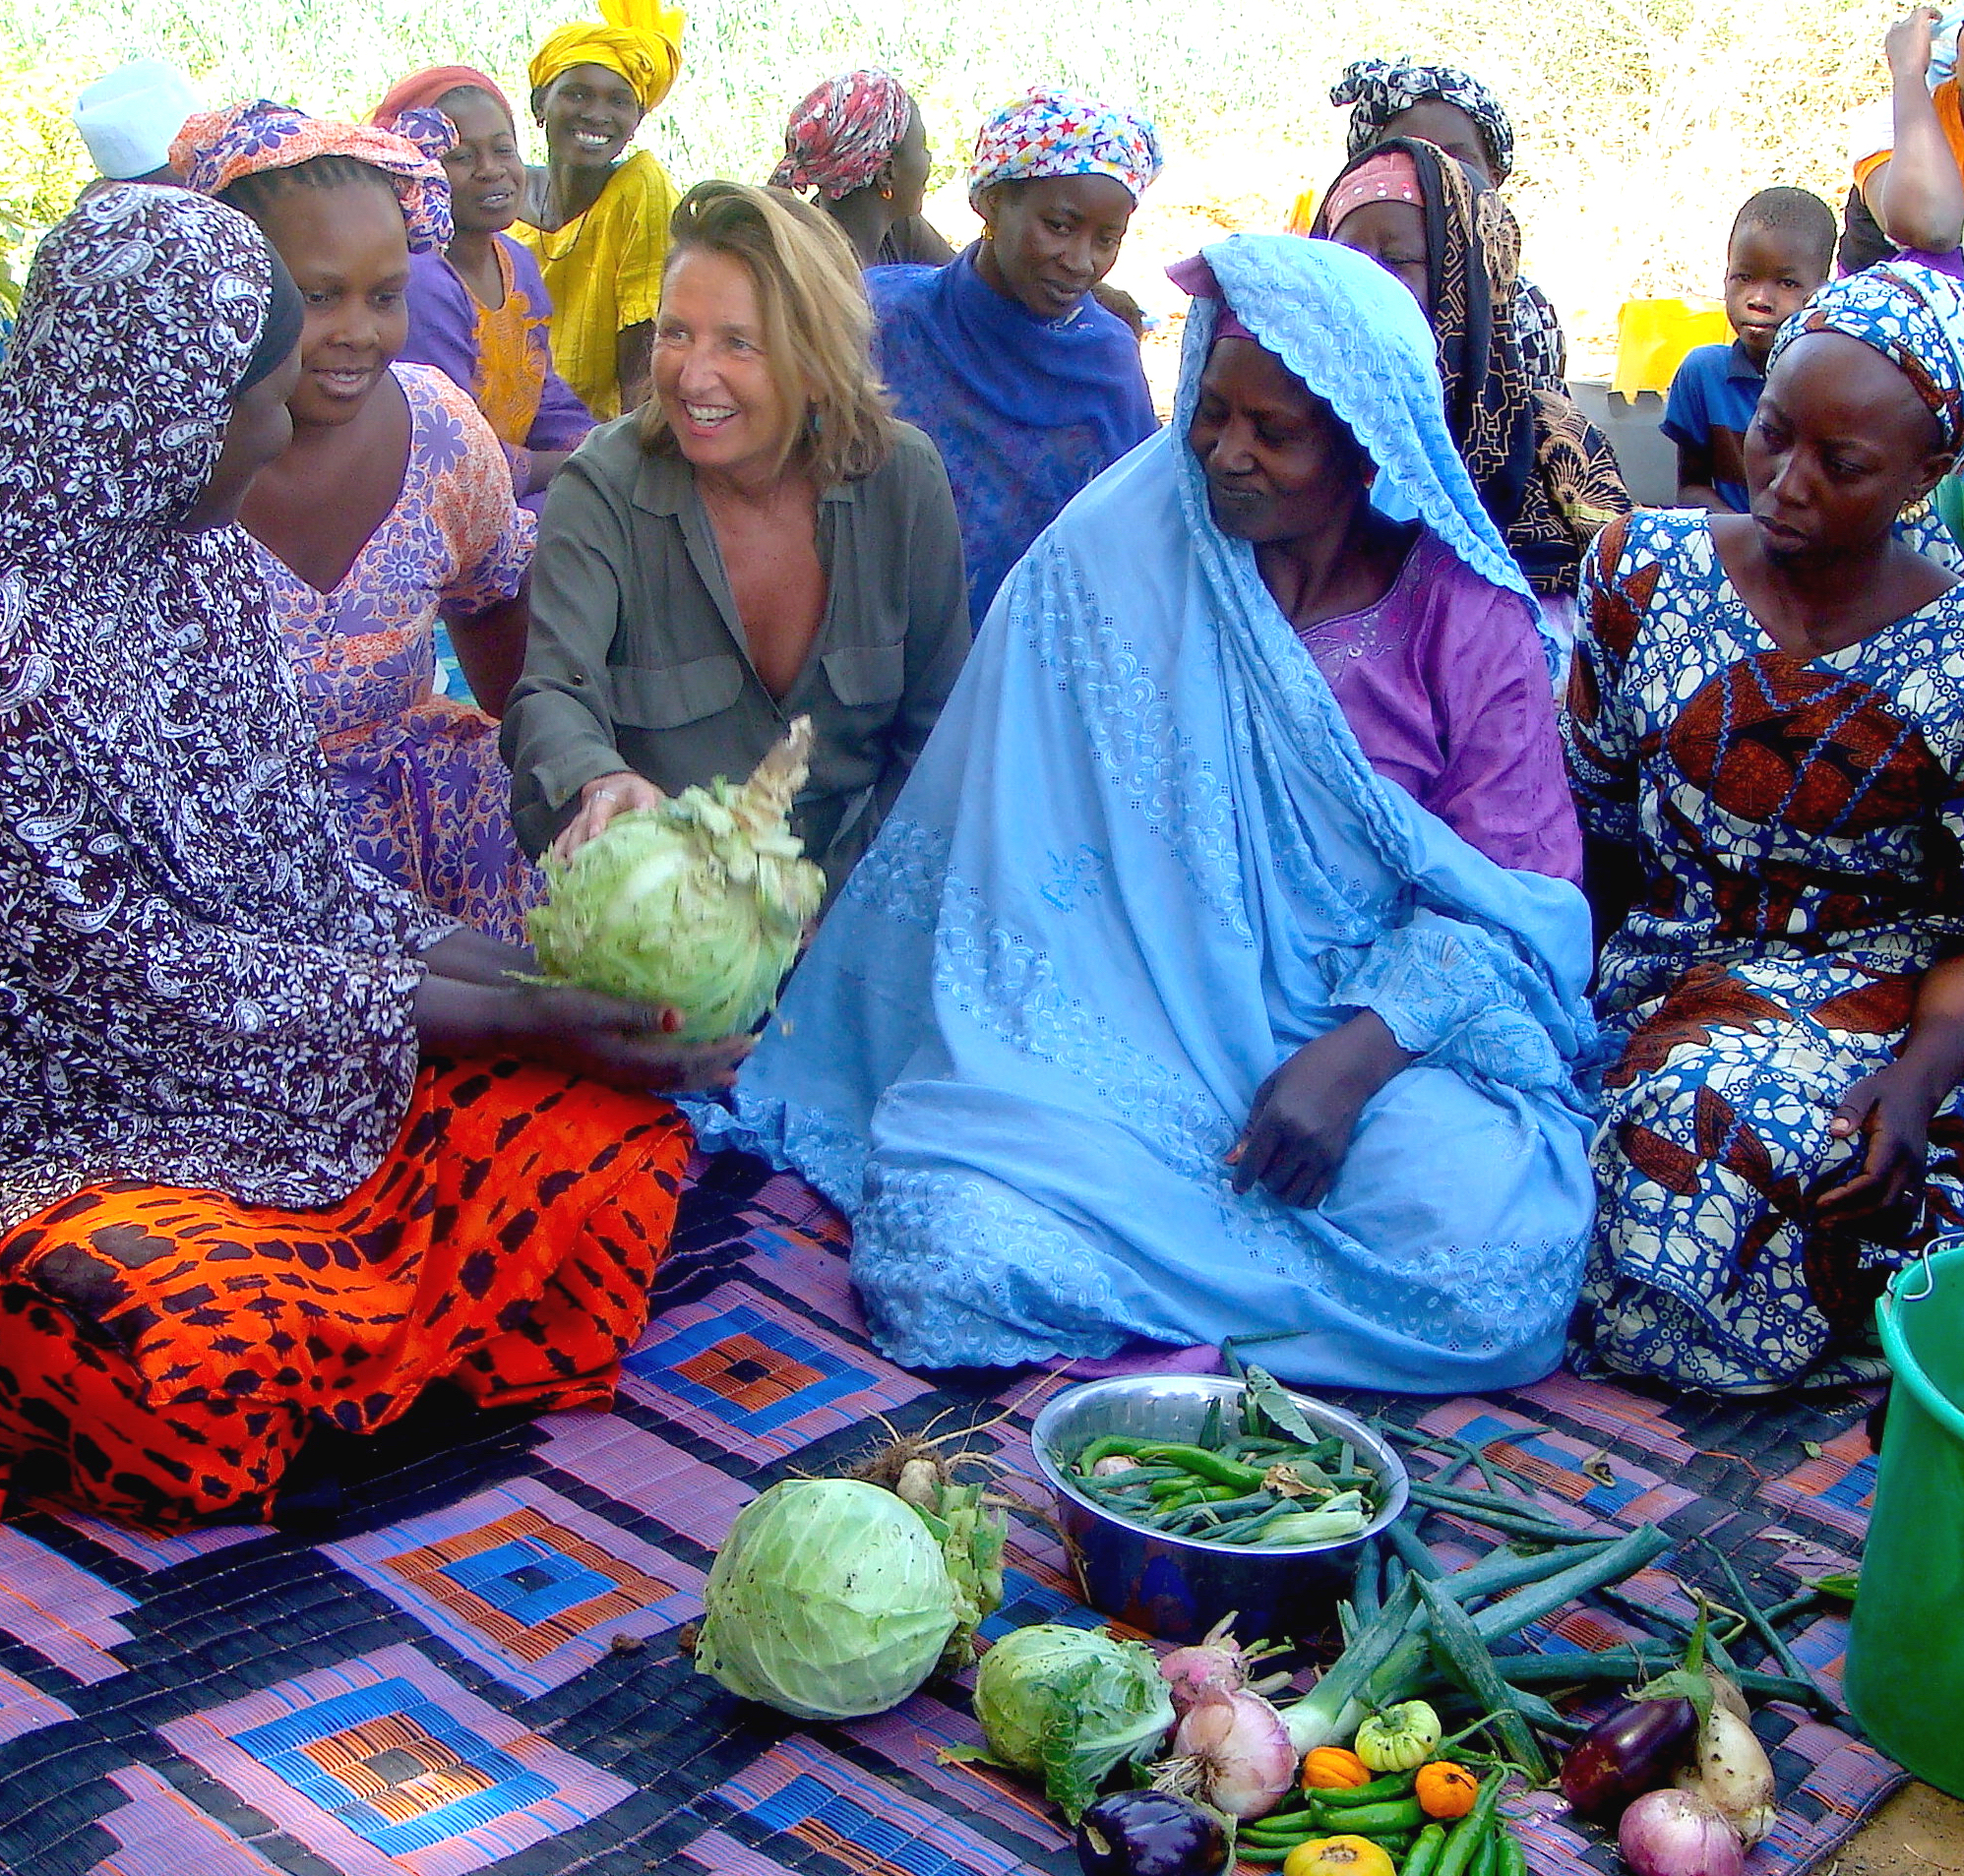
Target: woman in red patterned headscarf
[[858, 143]]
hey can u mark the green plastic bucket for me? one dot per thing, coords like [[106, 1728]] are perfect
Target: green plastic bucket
[[1905, 1675]]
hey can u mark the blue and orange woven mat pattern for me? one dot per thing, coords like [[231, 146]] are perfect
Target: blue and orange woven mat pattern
[[471, 1660]]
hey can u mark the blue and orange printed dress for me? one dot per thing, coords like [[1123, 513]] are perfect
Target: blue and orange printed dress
[[418, 775], [1799, 827]]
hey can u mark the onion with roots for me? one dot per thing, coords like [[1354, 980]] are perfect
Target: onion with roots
[[1233, 1753]]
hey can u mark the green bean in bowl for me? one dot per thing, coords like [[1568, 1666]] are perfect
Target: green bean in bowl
[[1256, 1474]]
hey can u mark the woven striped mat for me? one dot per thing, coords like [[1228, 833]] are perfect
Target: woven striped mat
[[472, 1662]]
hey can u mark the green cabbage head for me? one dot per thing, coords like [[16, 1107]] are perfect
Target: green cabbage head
[[697, 905], [1070, 1704], [828, 1599]]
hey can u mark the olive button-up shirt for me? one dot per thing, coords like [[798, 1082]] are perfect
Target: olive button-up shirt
[[637, 657]]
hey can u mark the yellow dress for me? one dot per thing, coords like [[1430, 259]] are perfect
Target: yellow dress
[[603, 272]]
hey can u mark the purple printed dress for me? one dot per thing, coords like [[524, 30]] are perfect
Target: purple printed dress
[[501, 356], [417, 776]]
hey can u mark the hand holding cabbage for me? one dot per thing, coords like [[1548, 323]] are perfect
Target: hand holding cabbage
[[697, 905]]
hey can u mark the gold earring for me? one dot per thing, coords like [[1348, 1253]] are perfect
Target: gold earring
[[885, 194]]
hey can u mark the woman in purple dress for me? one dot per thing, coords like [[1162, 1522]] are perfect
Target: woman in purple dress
[[478, 309]]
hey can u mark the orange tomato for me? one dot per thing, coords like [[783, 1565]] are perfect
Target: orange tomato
[[1333, 1769], [1446, 1790]]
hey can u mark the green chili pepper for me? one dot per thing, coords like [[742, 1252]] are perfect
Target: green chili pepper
[[1211, 1466], [1425, 1856], [1367, 1820], [1394, 1785], [1487, 1859], [1513, 1860], [1472, 1830]]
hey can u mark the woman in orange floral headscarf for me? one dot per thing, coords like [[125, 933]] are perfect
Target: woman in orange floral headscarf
[[391, 511]]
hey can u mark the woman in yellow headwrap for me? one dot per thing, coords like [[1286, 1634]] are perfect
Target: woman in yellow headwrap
[[599, 226]]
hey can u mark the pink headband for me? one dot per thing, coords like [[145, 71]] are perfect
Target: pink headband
[[1389, 176], [1194, 277]]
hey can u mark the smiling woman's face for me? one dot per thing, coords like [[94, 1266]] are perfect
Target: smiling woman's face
[[1053, 240], [589, 113], [486, 169], [348, 253], [1276, 457]]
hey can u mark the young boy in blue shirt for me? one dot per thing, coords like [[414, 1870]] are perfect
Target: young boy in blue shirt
[[1781, 252]]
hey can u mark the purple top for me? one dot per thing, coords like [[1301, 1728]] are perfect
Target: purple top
[[501, 356], [1445, 686], [1951, 264]]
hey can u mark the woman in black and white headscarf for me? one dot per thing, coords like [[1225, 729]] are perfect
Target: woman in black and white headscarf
[[1453, 110]]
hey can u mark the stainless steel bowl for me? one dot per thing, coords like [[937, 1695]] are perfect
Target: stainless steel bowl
[[1179, 1587]]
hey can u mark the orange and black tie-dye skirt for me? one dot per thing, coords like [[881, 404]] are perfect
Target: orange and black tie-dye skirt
[[170, 1350]]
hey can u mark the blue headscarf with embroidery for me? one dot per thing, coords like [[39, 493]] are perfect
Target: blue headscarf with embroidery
[[1140, 863]]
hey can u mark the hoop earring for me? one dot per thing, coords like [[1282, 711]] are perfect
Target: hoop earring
[[885, 194]]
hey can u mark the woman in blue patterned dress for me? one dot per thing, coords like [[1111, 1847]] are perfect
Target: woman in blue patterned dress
[[1767, 717]]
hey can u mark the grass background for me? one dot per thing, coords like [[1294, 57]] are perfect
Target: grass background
[[1640, 124]]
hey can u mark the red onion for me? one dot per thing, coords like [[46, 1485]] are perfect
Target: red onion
[[1232, 1752], [1216, 1663], [1679, 1833]]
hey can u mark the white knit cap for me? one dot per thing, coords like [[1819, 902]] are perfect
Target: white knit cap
[[129, 118]]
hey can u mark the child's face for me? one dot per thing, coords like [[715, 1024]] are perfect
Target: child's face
[[1768, 277]]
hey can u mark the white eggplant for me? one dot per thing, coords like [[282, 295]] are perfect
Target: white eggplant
[[1734, 1774]]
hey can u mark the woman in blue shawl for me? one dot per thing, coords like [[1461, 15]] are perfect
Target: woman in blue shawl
[[1029, 386], [1156, 1012]]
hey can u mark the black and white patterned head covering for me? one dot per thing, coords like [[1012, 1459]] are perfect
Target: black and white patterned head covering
[[1379, 90], [199, 984]]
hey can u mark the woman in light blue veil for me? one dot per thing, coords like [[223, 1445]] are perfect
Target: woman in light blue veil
[[1156, 1014]]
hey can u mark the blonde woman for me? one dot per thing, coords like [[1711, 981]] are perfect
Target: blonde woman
[[764, 541]]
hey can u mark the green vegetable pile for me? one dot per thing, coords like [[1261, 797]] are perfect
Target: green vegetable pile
[[696, 906], [1275, 1480]]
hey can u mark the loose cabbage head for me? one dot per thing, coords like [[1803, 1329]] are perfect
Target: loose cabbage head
[[1070, 1703], [828, 1599], [697, 905]]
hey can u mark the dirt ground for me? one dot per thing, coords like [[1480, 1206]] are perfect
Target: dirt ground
[[1920, 1832]]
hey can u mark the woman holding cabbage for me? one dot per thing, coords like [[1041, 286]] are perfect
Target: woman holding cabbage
[[762, 541], [1222, 970], [279, 1146]]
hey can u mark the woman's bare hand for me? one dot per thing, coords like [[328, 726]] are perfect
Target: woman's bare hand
[[604, 797]]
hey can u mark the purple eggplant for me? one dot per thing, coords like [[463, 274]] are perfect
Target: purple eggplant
[[1150, 1834], [1633, 1750]]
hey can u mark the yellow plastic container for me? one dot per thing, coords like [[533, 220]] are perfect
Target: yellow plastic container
[[1653, 337]]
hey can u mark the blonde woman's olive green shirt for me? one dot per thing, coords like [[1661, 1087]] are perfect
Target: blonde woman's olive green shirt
[[636, 658]]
